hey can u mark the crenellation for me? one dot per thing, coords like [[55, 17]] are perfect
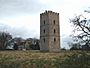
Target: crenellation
[[49, 12]]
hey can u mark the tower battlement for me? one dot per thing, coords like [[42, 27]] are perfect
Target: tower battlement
[[49, 12]]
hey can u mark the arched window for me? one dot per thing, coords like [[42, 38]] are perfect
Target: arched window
[[54, 22], [44, 22], [54, 31], [44, 31], [44, 40], [54, 39]]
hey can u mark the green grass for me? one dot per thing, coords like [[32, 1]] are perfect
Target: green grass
[[37, 59]]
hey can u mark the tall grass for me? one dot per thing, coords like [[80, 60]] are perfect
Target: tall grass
[[36, 59]]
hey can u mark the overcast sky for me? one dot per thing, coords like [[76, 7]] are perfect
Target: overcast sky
[[22, 17]]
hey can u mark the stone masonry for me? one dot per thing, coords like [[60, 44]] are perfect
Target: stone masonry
[[49, 31]]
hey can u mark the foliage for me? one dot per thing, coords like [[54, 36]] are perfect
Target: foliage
[[81, 60], [15, 46], [75, 46], [35, 46], [9, 43]]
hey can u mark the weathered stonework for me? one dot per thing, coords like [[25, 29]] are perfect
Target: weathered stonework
[[49, 31]]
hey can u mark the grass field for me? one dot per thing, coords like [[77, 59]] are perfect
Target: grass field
[[37, 59]]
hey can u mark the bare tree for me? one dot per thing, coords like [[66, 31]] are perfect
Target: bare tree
[[4, 37], [81, 29]]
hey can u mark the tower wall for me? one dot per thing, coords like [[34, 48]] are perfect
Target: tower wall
[[49, 31]]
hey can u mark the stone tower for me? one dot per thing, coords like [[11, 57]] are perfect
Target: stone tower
[[49, 31]]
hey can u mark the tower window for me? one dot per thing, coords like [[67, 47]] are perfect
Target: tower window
[[54, 39], [44, 22], [54, 22], [44, 40], [54, 31], [44, 31]]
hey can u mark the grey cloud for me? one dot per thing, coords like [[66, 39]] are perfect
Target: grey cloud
[[16, 31], [13, 7], [65, 40]]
